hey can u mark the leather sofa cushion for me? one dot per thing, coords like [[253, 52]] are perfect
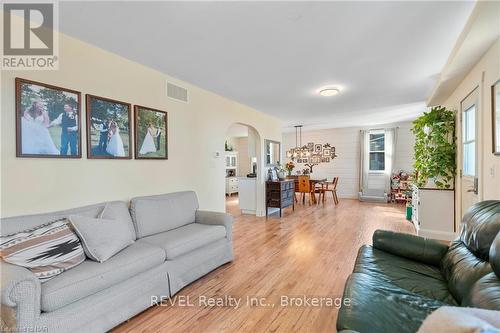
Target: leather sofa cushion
[[159, 213], [187, 238], [378, 306], [480, 224], [485, 293], [91, 277], [495, 255], [462, 269], [415, 277]]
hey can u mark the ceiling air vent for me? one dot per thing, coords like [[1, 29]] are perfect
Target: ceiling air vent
[[176, 92]]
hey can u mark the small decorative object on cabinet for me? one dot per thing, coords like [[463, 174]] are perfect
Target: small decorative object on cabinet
[[280, 194], [434, 213]]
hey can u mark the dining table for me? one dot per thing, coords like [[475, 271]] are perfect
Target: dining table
[[313, 182]]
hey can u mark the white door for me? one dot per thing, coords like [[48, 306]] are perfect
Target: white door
[[469, 161]]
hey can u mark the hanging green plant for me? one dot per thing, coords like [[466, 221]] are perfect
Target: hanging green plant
[[435, 147]]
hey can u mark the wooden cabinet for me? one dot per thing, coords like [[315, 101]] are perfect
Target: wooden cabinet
[[280, 194], [434, 213], [231, 185]]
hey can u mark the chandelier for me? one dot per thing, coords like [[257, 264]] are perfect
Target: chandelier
[[298, 151], [312, 153]]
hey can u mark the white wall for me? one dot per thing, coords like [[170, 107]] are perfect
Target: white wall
[[346, 165], [489, 164], [196, 131]]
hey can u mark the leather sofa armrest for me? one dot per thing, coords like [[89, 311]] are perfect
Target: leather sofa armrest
[[425, 250], [21, 290], [216, 218]]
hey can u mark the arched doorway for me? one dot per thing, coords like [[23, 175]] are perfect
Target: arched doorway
[[243, 170]]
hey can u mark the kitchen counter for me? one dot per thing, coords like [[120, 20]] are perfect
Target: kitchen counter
[[247, 195]]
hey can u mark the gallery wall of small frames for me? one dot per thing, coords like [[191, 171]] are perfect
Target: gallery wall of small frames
[[48, 125], [312, 153]]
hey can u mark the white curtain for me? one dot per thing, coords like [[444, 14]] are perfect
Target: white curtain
[[390, 155], [365, 160]]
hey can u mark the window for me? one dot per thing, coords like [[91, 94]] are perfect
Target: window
[[377, 151], [469, 141]]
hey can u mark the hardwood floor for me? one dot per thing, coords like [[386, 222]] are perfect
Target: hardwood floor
[[309, 252]]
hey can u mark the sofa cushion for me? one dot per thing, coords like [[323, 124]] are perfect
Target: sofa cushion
[[91, 277], [462, 269], [101, 238], [480, 224], [46, 250], [378, 306], [485, 293], [187, 238], [418, 278], [159, 213]]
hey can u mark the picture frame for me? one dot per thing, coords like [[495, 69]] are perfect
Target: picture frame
[[310, 146], [305, 160], [495, 117], [109, 128], [48, 120], [325, 159], [315, 159], [299, 160], [327, 152], [318, 148], [150, 133]]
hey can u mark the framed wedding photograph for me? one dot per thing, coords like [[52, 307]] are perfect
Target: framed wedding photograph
[[108, 128], [495, 116], [47, 120], [150, 133], [318, 148]]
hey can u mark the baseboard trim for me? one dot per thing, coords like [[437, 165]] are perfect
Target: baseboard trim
[[435, 234]]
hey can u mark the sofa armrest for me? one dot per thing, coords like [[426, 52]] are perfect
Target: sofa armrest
[[21, 290], [425, 250], [216, 218]]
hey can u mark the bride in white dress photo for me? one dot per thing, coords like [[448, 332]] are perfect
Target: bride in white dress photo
[[36, 138], [115, 143], [148, 145]]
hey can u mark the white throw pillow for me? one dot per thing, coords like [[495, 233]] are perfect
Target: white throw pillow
[[101, 238]]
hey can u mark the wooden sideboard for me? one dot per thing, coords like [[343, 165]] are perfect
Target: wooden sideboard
[[280, 194]]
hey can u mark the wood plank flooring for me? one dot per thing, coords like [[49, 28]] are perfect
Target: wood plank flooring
[[309, 252]]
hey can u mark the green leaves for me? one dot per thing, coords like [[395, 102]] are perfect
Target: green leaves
[[435, 147]]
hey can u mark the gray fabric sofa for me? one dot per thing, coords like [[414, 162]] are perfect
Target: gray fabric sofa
[[175, 244]]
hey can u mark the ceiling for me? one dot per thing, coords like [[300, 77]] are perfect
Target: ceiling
[[274, 56]]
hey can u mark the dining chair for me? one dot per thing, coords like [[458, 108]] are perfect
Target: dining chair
[[320, 189], [305, 187], [332, 187]]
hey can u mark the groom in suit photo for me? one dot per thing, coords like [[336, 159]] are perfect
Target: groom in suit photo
[[68, 120], [103, 130]]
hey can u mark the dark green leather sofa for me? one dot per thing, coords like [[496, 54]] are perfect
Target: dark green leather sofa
[[402, 278]]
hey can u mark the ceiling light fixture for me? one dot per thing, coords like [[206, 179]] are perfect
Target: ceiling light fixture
[[328, 92]]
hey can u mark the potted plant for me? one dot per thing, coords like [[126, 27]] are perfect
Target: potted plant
[[435, 148], [289, 167], [280, 171]]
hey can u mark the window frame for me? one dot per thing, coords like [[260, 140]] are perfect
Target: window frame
[[465, 129], [374, 132]]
